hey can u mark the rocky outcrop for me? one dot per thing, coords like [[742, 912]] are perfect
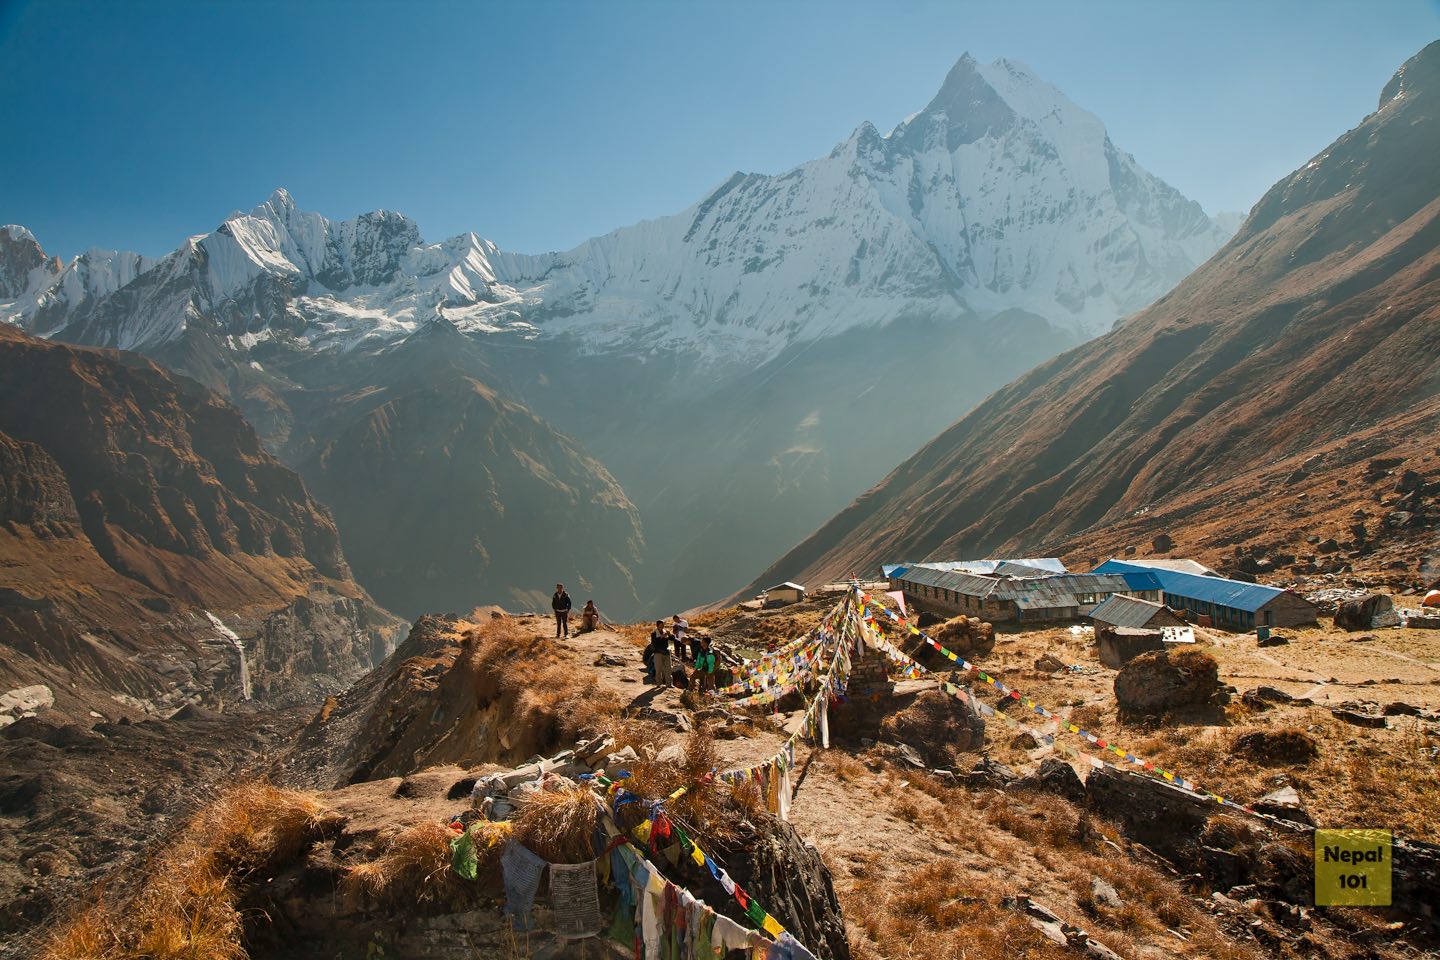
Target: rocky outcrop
[[939, 727], [133, 508], [1369, 612], [787, 875], [967, 636], [1161, 681]]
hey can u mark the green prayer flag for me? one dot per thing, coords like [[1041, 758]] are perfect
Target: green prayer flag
[[462, 856]]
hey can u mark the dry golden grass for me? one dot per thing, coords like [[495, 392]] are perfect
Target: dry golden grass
[[549, 699], [183, 906], [415, 868], [559, 825], [708, 805], [1361, 778]]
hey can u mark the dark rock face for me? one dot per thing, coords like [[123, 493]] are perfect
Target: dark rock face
[[787, 875], [939, 727], [33, 489], [133, 504], [1054, 776], [1163, 680]]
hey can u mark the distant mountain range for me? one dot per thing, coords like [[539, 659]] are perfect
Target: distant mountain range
[[1256, 404], [667, 406]]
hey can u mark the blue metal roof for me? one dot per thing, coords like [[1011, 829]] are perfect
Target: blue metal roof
[[890, 570], [1217, 590]]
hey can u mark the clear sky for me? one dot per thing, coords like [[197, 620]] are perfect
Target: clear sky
[[540, 123]]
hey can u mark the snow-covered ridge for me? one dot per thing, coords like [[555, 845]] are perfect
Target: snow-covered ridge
[[1000, 194]]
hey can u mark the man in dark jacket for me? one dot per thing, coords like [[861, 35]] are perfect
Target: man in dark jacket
[[660, 654], [560, 603]]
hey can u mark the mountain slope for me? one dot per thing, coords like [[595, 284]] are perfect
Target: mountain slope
[[134, 504], [482, 498], [1317, 324]]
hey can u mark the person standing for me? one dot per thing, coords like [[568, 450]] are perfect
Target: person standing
[[705, 666], [678, 626], [561, 604], [660, 654]]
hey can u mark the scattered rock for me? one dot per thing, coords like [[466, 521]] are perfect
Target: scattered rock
[[1262, 697], [1398, 709], [1409, 482], [1272, 640], [1104, 894], [1272, 747], [1164, 543], [990, 773], [1374, 721], [1024, 741], [1285, 804], [1050, 664], [1054, 776], [26, 700]]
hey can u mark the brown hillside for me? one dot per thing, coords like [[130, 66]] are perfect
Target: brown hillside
[[1316, 330], [131, 503]]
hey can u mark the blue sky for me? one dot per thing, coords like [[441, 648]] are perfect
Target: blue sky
[[540, 123]]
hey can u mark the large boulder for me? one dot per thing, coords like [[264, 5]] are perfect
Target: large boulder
[[966, 636], [1367, 613], [938, 726], [1158, 682]]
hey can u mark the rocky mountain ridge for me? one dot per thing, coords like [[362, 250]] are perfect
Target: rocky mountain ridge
[[140, 515]]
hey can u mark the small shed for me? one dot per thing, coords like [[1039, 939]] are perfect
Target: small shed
[[784, 594], [1123, 611], [1119, 645]]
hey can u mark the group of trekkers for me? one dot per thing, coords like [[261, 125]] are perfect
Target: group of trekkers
[[560, 603], [668, 651]]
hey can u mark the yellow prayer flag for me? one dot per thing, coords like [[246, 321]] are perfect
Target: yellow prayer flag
[[772, 926]]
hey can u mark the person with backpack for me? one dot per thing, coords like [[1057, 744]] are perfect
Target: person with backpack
[[705, 666], [561, 604], [660, 654]]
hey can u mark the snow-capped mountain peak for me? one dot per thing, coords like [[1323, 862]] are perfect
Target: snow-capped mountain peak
[[1000, 194]]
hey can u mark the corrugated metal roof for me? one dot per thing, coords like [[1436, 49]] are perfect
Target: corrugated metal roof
[[1047, 565], [1030, 593], [1178, 565], [1009, 568], [1217, 590], [889, 570], [1039, 593], [1144, 580], [1121, 611], [787, 583], [966, 583]]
